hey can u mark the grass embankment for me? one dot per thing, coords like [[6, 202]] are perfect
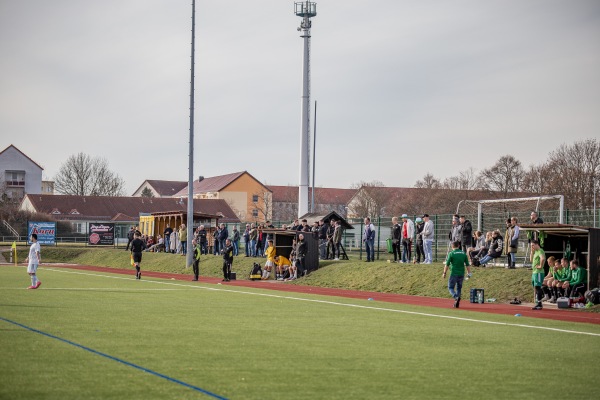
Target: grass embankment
[[380, 276]]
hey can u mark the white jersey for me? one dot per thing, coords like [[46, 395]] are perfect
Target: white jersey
[[33, 253]]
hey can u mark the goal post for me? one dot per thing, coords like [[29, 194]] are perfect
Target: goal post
[[550, 208]]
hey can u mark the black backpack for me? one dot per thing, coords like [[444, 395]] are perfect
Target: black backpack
[[593, 296]]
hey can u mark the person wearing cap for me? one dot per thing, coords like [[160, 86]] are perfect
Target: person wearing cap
[[408, 232], [419, 244], [428, 231]]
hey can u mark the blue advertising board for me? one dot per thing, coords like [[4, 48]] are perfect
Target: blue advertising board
[[45, 231]]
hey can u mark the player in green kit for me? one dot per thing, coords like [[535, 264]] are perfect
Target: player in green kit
[[537, 272], [457, 261]]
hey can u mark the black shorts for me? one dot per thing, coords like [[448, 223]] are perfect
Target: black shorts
[[137, 257]]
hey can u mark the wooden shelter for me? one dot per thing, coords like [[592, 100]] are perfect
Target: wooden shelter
[[283, 239], [583, 243]]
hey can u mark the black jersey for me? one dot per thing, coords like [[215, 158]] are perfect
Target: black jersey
[[138, 245]]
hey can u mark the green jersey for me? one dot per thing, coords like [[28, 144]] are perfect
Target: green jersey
[[536, 265], [457, 261], [578, 275], [563, 274]]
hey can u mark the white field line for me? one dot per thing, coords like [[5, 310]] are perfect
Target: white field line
[[423, 314], [104, 289]]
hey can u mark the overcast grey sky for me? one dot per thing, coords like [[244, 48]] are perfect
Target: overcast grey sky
[[403, 87]]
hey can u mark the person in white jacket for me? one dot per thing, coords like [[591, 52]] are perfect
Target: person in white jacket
[[408, 232], [428, 231]]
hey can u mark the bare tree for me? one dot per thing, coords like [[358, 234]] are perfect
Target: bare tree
[[537, 179], [263, 203], [83, 175], [503, 177], [428, 182], [573, 172], [370, 200]]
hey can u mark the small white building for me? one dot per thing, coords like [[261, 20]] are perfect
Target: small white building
[[19, 174]]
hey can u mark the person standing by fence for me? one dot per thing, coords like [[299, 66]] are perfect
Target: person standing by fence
[[408, 231], [369, 240], [428, 231]]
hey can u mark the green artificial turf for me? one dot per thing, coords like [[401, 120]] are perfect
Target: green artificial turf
[[242, 343]]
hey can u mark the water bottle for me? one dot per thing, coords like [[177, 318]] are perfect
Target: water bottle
[[480, 297], [468, 277]]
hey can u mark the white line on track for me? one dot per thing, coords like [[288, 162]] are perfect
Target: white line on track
[[333, 303]]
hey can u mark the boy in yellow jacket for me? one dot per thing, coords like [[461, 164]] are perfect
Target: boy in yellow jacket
[[270, 263]]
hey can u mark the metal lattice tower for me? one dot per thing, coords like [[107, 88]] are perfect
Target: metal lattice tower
[[305, 10]]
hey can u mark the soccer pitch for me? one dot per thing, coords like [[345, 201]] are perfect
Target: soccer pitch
[[89, 335]]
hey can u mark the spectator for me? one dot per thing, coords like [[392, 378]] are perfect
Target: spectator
[[260, 241], [305, 227], [396, 239], [202, 239], [495, 249], [408, 231], [223, 235], [479, 244], [247, 250], [173, 242], [301, 249], [329, 236], [419, 246], [183, 239], [467, 233], [227, 260], [323, 226], [158, 246], [514, 241], [456, 230], [253, 234], [508, 233], [534, 235], [428, 231], [235, 240], [575, 286], [537, 270], [457, 261], [294, 261], [216, 244], [369, 240], [337, 240], [167, 235]]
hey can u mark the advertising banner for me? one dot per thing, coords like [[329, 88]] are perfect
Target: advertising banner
[[101, 234], [45, 231]]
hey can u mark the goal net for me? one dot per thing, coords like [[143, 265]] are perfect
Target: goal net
[[488, 215]]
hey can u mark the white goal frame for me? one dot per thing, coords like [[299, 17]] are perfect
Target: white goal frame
[[520, 199]]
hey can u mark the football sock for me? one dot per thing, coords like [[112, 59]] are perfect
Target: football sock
[[33, 280]]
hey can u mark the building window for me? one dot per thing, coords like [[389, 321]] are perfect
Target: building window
[[255, 213], [255, 198]]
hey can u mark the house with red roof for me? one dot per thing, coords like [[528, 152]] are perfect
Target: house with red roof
[[246, 195], [158, 188]]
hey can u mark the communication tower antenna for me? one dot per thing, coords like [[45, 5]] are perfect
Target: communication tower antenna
[[305, 10]]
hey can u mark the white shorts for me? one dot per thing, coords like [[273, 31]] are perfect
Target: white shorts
[[32, 268], [269, 263]]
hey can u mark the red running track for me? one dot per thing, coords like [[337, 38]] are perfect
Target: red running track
[[569, 315]]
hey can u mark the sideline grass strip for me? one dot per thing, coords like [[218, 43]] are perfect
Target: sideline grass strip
[[127, 363]]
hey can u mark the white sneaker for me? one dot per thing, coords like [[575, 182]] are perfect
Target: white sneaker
[[336, 259]]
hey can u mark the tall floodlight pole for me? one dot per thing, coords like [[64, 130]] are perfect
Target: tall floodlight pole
[[306, 10], [190, 202], [312, 192]]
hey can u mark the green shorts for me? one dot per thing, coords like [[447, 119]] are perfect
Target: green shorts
[[537, 279]]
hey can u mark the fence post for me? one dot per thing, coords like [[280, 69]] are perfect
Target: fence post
[[378, 233], [566, 216], [360, 241], [435, 236]]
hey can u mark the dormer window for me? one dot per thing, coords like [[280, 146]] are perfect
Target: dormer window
[[55, 211], [74, 212]]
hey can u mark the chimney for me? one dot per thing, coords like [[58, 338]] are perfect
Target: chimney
[[200, 178]]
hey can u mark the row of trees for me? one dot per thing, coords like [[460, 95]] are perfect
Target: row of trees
[[571, 170]]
